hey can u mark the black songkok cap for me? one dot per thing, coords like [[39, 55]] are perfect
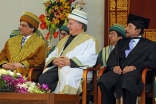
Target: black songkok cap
[[139, 22]]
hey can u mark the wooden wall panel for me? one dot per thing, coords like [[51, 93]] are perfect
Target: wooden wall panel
[[116, 11], [106, 21], [145, 8]]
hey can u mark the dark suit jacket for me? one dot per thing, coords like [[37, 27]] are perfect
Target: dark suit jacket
[[141, 56]]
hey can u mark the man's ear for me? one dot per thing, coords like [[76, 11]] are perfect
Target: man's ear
[[138, 31], [120, 37], [32, 29], [79, 24]]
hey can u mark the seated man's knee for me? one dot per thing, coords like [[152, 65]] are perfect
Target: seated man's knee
[[41, 79]]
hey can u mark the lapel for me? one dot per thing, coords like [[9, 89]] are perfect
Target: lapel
[[123, 47], [126, 46], [137, 47]]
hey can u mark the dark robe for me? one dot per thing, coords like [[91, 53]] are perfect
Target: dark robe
[[50, 77], [142, 56]]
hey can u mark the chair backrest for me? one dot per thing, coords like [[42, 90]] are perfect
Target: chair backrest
[[14, 33], [150, 34]]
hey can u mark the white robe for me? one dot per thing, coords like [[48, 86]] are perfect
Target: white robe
[[83, 50]]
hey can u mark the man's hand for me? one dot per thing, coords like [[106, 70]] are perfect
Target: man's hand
[[117, 69], [61, 61], [12, 66], [17, 65], [56, 61], [128, 69], [65, 61], [9, 66]]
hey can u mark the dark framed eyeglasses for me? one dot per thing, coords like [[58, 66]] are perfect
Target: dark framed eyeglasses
[[63, 33]]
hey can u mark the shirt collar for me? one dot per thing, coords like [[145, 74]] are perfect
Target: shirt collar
[[27, 37]]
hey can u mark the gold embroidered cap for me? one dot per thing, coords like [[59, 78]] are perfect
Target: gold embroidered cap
[[31, 18]]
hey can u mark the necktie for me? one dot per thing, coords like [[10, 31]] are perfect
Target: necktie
[[130, 47], [23, 40]]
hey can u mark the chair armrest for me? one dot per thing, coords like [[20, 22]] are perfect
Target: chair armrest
[[84, 84], [85, 72], [30, 74], [97, 67], [144, 72], [102, 70]]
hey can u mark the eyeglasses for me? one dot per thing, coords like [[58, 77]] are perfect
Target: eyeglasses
[[63, 33], [111, 34]]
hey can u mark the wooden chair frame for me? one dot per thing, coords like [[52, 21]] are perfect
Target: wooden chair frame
[[32, 73], [144, 94], [84, 85]]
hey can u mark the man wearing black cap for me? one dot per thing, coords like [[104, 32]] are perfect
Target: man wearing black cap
[[126, 62]]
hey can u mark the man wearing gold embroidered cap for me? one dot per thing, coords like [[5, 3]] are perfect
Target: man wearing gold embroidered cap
[[26, 50], [74, 53], [30, 18]]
